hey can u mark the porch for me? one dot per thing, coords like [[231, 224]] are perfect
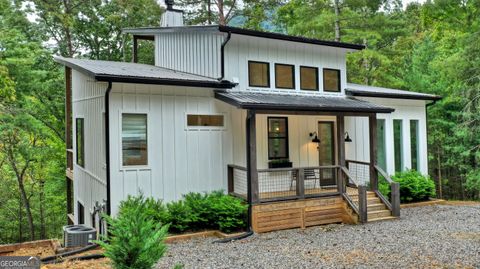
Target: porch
[[334, 190]]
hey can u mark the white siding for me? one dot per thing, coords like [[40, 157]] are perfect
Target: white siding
[[405, 110], [241, 49], [190, 52], [89, 182], [180, 160]]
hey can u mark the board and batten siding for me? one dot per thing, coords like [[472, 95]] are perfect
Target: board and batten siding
[[180, 159], [241, 49], [405, 110], [302, 152], [89, 182], [190, 52]]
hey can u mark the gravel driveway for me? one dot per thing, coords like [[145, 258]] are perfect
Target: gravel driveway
[[425, 237]]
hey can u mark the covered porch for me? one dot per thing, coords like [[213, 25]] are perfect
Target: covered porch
[[328, 174]]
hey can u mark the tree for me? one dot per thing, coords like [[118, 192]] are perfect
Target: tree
[[209, 11]]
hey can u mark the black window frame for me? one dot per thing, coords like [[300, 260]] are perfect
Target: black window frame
[[82, 163], [293, 76], [81, 213], [268, 74], [339, 79], [316, 73], [286, 139]]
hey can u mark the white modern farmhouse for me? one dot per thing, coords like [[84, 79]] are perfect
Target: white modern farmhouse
[[267, 117]]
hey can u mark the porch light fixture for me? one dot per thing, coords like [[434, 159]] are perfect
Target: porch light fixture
[[315, 137], [347, 137]]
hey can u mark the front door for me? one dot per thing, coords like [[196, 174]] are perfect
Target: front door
[[326, 152]]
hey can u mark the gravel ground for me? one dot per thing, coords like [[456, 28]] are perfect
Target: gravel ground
[[425, 237]]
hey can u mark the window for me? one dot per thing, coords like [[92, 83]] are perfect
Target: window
[[381, 153], [284, 76], [81, 213], [414, 144], [134, 139], [80, 142], [308, 78], [277, 138], [205, 120], [398, 145], [331, 80], [258, 74]]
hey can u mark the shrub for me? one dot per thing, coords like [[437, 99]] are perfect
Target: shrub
[[136, 239], [414, 186], [181, 216], [215, 210]]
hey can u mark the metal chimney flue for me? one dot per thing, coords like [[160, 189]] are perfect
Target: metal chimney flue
[[169, 4]]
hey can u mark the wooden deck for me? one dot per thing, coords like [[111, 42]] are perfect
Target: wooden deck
[[299, 214]]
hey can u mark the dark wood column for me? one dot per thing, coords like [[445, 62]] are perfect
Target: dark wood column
[[135, 49], [372, 124], [341, 150], [252, 174]]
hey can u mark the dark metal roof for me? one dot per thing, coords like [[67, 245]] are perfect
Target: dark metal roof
[[241, 31], [371, 91], [270, 101], [139, 73]]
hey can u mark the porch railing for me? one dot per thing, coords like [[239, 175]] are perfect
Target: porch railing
[[286, 183], [355, 195], [281, 184], [393, 200], [359, 170]]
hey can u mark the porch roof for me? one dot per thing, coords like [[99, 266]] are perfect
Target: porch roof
[[270, 101], [139, 73]]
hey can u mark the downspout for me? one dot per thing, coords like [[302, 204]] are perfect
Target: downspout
[[222, 55], [107, 143]]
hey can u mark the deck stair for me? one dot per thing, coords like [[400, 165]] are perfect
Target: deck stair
[[376, 209]]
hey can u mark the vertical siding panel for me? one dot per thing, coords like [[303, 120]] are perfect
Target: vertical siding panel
[[180, 146], [168, 141]]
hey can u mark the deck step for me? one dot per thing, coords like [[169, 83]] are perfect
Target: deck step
[[376, 207], [382, 219], [379, 214]]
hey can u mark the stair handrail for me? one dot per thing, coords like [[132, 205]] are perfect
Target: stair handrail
[[361, 210], [394, 203]]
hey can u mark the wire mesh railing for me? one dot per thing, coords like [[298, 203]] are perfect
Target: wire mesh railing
[[360, 171], [286, 183]]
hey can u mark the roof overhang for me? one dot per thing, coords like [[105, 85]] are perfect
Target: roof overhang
[[379, 92], [240, 31], [298, 103], [122, 72]]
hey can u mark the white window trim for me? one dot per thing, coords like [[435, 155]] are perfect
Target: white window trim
[[206, 128], [149, 157]]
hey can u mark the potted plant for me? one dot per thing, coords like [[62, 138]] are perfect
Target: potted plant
[[280, 163]]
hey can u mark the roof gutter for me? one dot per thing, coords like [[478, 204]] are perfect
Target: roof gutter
[[107, 144], [222, 55]]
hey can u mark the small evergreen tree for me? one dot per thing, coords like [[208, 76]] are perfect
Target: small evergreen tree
[[136, 240]]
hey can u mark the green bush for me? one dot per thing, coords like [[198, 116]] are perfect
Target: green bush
[[230, 213], [414, 186], [181, 217], [136, 239], [215, 210]]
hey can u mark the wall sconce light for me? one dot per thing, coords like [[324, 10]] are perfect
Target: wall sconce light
[[315, 137], [347, 137]]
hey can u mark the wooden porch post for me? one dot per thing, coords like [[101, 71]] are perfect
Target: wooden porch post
[[372, 123], [341, 151], [252, 174]]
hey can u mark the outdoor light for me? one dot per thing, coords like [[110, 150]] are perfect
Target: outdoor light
[[315, 137], [347, 137]]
